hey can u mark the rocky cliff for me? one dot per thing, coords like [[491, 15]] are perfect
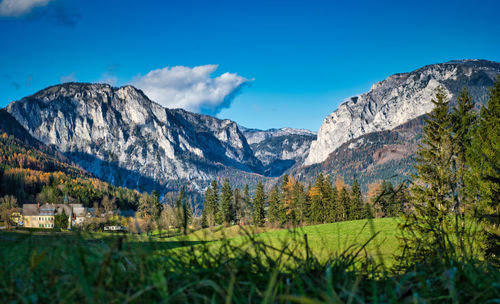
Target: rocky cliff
[[399, 99], [119, 135], [279, 149]]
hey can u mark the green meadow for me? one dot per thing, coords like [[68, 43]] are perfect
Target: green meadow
[[345, 262]]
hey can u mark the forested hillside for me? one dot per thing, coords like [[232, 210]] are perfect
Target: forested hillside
[[31, 175]]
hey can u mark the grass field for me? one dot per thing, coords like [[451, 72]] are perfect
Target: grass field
[[324, 240], [231, 265]]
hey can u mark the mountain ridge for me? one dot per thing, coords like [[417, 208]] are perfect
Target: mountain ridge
[[398, 99], [121, 136], [100, 126]]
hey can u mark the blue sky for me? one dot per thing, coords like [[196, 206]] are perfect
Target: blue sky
[[288, 63]]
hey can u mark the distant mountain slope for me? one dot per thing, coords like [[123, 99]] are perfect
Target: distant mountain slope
[[18, 150], [32, 175], [279, 149], [121, 136], [398, 99], [10, 126], [382, 155]]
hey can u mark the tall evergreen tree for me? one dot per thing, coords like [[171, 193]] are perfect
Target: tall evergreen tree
[[484, 177], [204, 221], [464, 120], [183, 211], [211, 204], [463, 125], [344, 204], [274, 206], [247, 206], [356, 205], [391, 200], [156, 205], [225, 204], [207, 207], [431, 192], [300, 206], [332, 208], [259, 202], [318, 197], [288, 201], [237, 210], [215, 202]]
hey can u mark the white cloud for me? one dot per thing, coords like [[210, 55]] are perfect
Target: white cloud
[[68, 78], [191, 88], [16, 8]]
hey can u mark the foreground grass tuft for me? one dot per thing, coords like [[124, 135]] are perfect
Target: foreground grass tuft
[[247, 267]]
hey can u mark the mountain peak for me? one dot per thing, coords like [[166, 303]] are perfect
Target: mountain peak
[[121, 136], [399, 98]]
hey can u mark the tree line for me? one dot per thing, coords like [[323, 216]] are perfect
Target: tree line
[[457, 184], [292, 203]]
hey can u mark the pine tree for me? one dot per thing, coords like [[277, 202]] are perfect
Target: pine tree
[[483, 180], [211, 205], [464, 120], [463, 124], [237, 210], [301, 209], [156, 206], [288, 213], [356, 201], [204, 221], [274, 206], [431, 193], [392, 200], [183, 211], [247, 206], [332, 205], [225, 207], [215, 202], [259, 202], [317, 198], [344, 204], [207, 207]]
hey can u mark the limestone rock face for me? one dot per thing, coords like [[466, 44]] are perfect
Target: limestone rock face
[[279, 149], [119, 135], [399, 99]]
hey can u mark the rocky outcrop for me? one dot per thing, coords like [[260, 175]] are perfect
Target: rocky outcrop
[[279, 149], [119, 135], [399, 99]]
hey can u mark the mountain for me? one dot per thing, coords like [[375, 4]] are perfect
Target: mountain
[[121, 136], [279, 149], [382, 155], [34, 173], [399, 99], [10, 126], [18, 149]]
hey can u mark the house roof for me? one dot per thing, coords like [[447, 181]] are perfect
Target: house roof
[[47, 209], [30, 209], [79, 211], [63, 207]]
